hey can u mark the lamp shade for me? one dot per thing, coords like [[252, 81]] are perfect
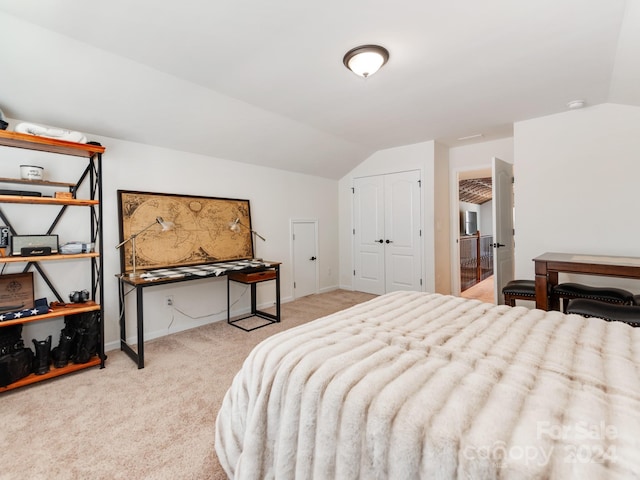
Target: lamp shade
[[166, 226], [366, 59], [235, 227]]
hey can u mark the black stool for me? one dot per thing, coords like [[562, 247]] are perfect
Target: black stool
[[519, 290], [611, 312], [569, 291]]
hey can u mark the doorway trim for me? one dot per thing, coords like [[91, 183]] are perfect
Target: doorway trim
[[454, 191]]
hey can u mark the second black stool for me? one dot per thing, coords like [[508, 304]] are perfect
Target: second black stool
[[607, 311], [569, 291]]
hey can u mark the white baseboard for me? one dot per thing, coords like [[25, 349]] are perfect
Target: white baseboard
[[328, 289], [182, 326]]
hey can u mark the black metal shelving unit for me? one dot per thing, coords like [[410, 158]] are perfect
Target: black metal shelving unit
[[92, 175]]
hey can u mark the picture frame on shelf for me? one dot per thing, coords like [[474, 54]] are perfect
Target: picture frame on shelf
[[16, 291]]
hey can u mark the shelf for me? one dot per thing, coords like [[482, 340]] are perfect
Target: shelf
[[92, 180], [43, 183], [43, 144], [52, 373], [47, 200], [55, 313], [45, 258]]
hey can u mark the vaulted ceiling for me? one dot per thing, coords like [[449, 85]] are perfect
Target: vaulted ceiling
[[475, 190], [263, 82]]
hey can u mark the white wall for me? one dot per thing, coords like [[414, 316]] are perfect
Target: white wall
[[477, 156], [420, 156], [441, 220], [577, 186], [275, 196], [486, 218]]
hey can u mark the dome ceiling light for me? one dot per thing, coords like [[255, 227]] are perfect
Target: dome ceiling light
[[366, 60]]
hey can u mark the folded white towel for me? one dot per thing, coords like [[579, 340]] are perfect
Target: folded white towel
[[49, 132]]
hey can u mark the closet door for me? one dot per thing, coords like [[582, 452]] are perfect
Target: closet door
[[387, 234], [368, 231], [403, 261]]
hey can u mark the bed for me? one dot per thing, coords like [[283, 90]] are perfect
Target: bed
[[415, 385]]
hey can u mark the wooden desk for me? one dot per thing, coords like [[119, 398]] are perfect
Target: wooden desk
[[139, 284], [548, 265]]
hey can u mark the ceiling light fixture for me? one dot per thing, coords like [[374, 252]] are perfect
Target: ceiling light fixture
[[366, 60]]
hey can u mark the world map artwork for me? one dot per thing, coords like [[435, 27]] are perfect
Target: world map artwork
[[200, 230]]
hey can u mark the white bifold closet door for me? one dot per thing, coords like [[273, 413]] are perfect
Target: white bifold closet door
[[387, 233]]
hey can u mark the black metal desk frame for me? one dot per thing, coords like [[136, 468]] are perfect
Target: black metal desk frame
[[140, 284], [253, 280]]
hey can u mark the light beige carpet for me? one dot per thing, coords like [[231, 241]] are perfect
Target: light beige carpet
[[125, 423]]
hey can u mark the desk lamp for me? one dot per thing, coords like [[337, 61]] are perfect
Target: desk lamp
[[166, 226], [235, 227]]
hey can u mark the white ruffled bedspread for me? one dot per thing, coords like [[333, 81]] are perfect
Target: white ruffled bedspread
[[414, 385]]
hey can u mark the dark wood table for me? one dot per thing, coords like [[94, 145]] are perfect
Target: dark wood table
[[548, 265]]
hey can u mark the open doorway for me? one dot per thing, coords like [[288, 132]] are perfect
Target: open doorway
[[475, 240], [497, 224]]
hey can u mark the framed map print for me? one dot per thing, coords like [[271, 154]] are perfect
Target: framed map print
[[201, 229]]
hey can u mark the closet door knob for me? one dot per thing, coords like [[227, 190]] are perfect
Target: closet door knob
[[379, 241], [313, 258], [389, 241]]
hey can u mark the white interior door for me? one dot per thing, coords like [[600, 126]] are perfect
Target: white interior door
[[387, 233], [368, 232], [503, 251], [305, 257], [403, 262]]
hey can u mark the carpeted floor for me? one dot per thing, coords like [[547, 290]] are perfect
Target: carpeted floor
[[125, 423]]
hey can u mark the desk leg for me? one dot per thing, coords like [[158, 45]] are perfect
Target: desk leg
[[138, 356], [545, 280], [228, 301], [552, 281], [542, 286], [277, 293], [254, 302], [542, 299], [140, 311], [123, 320]]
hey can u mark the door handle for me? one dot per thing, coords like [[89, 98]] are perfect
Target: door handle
[[312, 258], [497, 245], [379, 241], [389, 241]]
